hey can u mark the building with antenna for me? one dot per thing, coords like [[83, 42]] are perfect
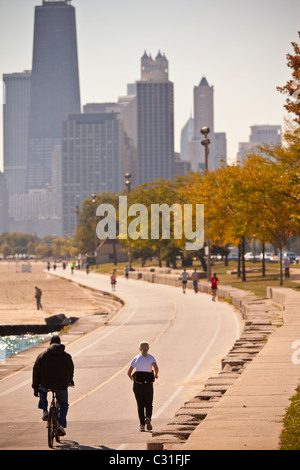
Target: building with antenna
[[54, 85]]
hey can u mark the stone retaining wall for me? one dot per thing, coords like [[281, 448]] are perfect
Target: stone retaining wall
[[261, 318]]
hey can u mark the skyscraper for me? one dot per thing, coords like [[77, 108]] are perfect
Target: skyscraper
[[15, 130], [260, 134], [204, 117], [54, 85], [155, 120], [92, 148]]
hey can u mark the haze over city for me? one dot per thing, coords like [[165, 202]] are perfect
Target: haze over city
[[240, 48]]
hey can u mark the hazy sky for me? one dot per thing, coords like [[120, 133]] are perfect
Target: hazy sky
[[240, 46]]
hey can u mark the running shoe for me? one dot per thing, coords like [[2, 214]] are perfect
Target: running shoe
[[148, 424]]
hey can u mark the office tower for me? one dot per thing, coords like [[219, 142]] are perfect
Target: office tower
[[15, 130], [204, 117], [266, 133], [54, 85], [3, 204], [187, 133], [260, 134], [126, 111], [155, 120], [92, 146], [220, 149]]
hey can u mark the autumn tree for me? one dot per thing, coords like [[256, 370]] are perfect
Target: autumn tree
[[292, 87], [274, 174], [85, 232], [164, 247]]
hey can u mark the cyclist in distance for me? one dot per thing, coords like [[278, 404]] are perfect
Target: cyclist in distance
[[53, 370]]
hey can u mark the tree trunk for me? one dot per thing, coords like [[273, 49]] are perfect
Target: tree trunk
[[115, 252], [263, 260], [280, 261], [239, 261], [243, 260]]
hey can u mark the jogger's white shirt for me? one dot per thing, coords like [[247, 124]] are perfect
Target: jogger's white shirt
[[142, 363]]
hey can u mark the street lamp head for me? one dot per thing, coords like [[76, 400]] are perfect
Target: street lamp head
[[205, 130], [127, 175], [93, 197], [205, 141]]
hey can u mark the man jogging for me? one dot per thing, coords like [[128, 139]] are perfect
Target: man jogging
[[184, 278], [214, 286], [53, 370]]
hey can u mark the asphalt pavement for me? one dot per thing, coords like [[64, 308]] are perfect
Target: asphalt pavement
[[188, 333]]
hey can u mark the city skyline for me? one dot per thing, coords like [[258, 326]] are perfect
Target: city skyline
[[241, 49]]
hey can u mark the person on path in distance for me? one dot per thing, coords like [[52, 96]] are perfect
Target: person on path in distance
[[214, 286], [143, 379], [38, 296], [53, 370], [195, 280], [126, 272], [184, 278], [113, 281], [286, 263]]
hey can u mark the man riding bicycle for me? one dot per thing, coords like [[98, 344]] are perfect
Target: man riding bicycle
[[53, 370]]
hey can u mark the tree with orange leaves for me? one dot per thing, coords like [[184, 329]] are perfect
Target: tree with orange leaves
[[292, 87]]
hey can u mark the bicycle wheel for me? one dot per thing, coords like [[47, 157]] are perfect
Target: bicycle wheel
[[51, 427]]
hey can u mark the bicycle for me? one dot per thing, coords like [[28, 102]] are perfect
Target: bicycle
[[53, 420]]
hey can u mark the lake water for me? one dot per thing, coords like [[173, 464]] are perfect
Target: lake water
[[10, 345]]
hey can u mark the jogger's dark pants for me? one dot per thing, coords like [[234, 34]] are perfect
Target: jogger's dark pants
[[144, 398]]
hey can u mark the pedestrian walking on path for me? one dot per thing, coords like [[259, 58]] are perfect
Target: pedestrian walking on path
[[143, 379], [184, 278], [195, 278], [113, 281], [53, 370], [126, 272], [38, 296], [214, 286], [286, 263]]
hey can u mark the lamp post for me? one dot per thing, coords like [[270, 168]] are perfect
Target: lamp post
[[77, 229], [128, 184], [95, 235], [205, 142]]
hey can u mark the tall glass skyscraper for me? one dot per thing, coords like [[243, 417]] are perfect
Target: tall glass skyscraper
[[54, 86], [155, 120], [15, 130]]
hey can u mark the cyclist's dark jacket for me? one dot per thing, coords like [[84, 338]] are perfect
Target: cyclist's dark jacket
[[53, 369]]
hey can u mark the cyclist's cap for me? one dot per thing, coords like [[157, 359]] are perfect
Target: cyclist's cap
[[55, 339]]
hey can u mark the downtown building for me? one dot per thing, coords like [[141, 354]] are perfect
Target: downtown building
[[191, 136], [36, 104], [15, 130], [259, 135], [54, 86], [155, 120], [92, 151]]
